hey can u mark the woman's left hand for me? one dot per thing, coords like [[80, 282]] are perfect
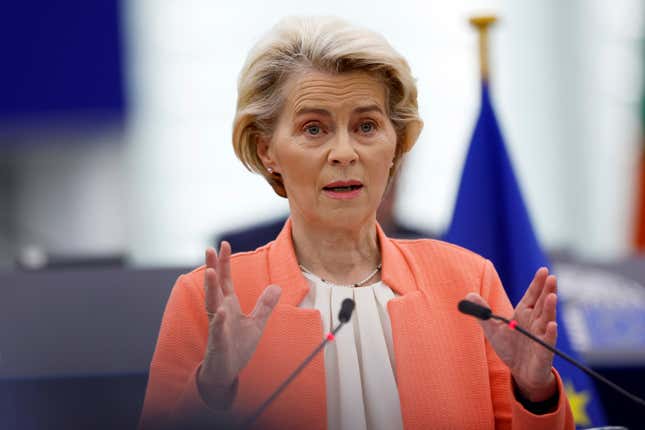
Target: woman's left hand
[[530, 363]]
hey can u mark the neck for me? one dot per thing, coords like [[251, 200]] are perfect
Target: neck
[[343, 256]]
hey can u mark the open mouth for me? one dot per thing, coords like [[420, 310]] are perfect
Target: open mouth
[[343, 189], [347, 186]]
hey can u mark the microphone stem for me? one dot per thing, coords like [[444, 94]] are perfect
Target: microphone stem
[[291, 377], [572, 361]]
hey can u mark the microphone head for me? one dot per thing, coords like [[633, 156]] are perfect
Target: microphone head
[[471, 308], [346, 309]]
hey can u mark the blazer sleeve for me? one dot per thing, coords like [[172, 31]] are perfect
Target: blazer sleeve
[[172, 399], [509, 412]]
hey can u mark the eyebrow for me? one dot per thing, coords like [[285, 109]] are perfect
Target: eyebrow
[[370, 108], [325, 112], [319, 111]]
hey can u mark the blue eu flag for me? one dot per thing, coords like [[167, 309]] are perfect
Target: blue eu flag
[[490, 218]]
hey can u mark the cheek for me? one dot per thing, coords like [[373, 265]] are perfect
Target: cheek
[[388, 138], [388, 149], [383, 160], [378, 167], [295, 161], [299, 168], [285, 150]]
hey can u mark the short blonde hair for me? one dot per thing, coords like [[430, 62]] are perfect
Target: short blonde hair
[[327, 45]]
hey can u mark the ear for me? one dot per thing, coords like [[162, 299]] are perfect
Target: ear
[[264, 152]]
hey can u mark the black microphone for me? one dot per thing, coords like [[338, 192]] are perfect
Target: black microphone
[[346, 309], [478, 311], [344, 315], [484, 313]]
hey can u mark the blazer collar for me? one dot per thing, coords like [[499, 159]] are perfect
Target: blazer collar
[[284, 270], [396, 272]]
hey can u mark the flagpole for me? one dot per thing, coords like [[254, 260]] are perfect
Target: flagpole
[[482, 23]]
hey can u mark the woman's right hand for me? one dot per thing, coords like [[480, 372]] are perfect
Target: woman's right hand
[[232, 335]]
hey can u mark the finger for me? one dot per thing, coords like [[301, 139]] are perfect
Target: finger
[[214, 294], [210, 260], [265, 304], [549, 287], [551, 336], [487, 325], [543, 356], [476, 298], [548, 313], [211, 257], [532, 294], [224, 269]]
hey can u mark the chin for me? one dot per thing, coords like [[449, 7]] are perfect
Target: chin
[[348, 218]]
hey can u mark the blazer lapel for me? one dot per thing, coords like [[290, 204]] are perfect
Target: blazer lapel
[[423, 319], [290, 335], [409, 354], [396, 272]]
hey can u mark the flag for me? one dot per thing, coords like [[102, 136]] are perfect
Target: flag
[[639, 237], [490, 218]]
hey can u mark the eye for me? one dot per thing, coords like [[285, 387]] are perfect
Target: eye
[[367, 127], [313, 129]]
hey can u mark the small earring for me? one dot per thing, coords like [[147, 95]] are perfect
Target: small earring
[[392, 163], [270, 170]]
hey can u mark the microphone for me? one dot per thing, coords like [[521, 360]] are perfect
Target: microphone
[[346, 309], [344, 315], [478, 311]]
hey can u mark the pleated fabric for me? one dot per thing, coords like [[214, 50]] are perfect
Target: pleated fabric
[[359, 364]]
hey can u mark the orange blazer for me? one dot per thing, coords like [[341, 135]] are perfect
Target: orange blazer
[[448, 375]]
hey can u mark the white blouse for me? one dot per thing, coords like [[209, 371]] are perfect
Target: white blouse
[[361, 385]]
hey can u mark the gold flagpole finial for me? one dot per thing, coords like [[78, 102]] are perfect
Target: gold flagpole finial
[[482, 23]]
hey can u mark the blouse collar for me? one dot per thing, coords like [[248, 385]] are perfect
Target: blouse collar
[[284, 270]]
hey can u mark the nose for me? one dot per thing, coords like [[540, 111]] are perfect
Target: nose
[[342, 151]]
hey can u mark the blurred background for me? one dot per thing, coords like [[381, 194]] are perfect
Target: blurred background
[[117, 170]]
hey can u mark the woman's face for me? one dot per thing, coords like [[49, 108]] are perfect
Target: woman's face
[[334, 145]]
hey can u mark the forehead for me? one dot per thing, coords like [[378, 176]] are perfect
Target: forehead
[[314, 89]]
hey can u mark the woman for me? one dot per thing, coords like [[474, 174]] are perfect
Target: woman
[[325, 113]]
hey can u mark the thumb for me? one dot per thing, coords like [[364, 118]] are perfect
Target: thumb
[[487, 325], [476, 298]]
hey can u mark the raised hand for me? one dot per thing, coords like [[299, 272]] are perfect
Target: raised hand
[[529, 362], [232, 335]]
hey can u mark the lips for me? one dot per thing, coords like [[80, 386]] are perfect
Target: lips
[[343, 186]]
